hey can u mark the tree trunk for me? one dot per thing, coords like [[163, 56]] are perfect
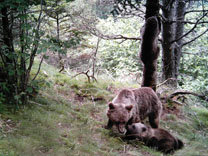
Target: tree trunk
[[172, 31], [8, 57], [168, 63], [180, 15], [7, 34]]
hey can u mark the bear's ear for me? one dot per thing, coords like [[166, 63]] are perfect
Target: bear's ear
[[111, 105], [129, 107]]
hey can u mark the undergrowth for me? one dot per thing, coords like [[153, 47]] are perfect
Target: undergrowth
[[67, 117]]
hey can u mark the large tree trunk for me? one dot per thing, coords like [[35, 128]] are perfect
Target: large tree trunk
[[172, 51], [168, 63], [180, 14]]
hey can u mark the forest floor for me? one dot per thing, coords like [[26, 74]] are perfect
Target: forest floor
[[67, 117]]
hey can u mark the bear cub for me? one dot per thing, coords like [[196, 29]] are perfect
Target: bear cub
[[136, 104], [159, 138]]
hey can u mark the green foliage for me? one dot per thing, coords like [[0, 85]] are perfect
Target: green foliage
[[18, 50], [118, 59], [117, 56], [60, 36], [193, 67], [20, 46], [103, 8]]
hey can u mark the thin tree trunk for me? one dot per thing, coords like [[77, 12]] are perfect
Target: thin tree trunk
[[60, 56], [94, 58], [22, 67], [58, 34]]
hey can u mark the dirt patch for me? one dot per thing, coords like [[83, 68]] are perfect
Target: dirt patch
[[79, 98], [174, 109]]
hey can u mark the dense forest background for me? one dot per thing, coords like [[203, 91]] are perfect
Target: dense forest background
[[54, 53]]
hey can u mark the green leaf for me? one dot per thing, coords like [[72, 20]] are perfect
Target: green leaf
[[29, 90], [69, 1]]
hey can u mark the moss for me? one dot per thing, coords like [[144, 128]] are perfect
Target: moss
[[201, 116]]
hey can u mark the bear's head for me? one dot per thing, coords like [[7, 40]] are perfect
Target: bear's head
[[119, 114], [139, 130]]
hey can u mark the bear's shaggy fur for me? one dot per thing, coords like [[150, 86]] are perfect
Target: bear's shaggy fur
[[150, 51], [134, 103], [158, 138]]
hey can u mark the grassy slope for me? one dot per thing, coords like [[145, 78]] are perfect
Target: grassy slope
[[59, 122]]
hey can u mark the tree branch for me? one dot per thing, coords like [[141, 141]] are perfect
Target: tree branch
[[195, 38], [114, 37], [166, 81], [88, 76], [186, 22], [2, 58], [38, 69], [35, 44], [191, 11], [190, 29], [94, 58], [94, 31]]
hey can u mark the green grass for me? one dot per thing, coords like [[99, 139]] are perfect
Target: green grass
[[63, 120]]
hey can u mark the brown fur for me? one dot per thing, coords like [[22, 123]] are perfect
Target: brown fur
[[150, 51], [137, 104], [158, 138]]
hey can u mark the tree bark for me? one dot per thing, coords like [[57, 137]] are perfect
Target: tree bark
[[179, 30], [168, 64], [172, 51], [7, 34], [8, 56]]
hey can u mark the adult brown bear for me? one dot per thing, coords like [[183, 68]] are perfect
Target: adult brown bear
[[150, 51], [136, 104], [157, 138]]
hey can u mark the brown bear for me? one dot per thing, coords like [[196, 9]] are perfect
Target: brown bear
[[134, 103], [150, 51], [159, 138]]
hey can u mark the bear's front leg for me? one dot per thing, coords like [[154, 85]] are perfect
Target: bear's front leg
[[154, 120], [109, 125]]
